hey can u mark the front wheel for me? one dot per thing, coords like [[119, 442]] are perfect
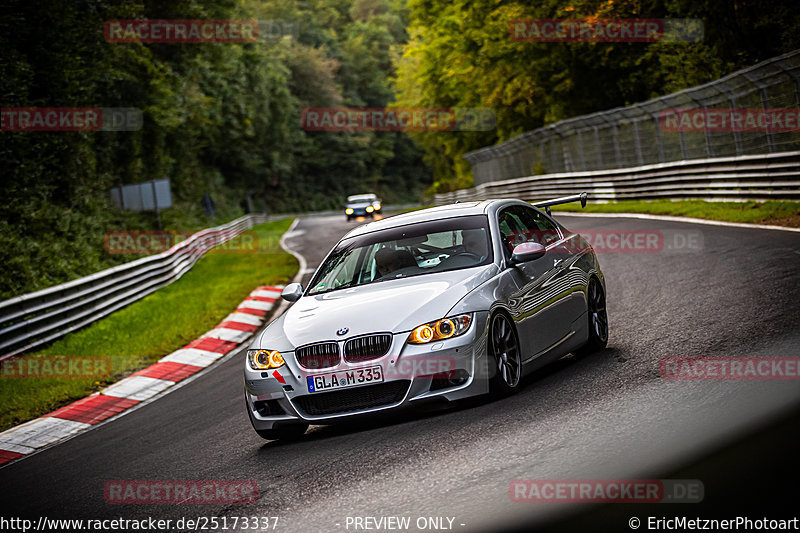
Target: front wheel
[[504, 355], [598, 319], [288, 432]]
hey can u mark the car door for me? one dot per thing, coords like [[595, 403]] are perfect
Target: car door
[[538, 305]]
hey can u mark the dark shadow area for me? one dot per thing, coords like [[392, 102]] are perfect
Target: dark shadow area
[[755, 477]]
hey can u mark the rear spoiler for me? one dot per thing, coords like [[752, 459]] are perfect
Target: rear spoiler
[[582, 197]]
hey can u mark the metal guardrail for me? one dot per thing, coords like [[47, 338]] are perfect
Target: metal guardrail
[[751, 177], [633, 136], [35, 319]]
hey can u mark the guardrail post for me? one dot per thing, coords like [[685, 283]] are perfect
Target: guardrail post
[[541, 153], [737, 135], [638, 143], [707, 133], [659, 139], [581, 151], [764, 98], [770, 133], [682, 139], [617, 151], [566, 156], [598, 146]]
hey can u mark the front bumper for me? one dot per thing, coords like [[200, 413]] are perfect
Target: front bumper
[[411, 373], [360, 212]]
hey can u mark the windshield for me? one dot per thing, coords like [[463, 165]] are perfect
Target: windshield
[[414, 250], [362, 198]]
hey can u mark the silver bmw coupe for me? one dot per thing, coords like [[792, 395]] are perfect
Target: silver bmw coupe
[[448, 302]]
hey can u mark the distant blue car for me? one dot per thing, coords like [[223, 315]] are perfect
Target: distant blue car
[[362, 205]]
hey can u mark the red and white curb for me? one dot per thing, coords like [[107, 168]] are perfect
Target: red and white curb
[[143, 385]]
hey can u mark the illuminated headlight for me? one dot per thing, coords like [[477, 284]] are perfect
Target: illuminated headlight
[[376, 206], [348, 211], [370, 209], [440, 330], [264, 359]]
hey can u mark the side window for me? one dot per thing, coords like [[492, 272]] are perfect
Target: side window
[[511, 229], [540, 228], [520, 224]]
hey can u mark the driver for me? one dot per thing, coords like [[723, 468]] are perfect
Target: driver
[[474, 241], [388, 260]]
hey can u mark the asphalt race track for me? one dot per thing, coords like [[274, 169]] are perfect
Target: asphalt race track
[[709, 291]]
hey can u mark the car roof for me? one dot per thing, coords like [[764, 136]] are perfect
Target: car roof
[[426, 215]]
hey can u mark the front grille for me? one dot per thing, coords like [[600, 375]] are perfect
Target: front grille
[[355, 399], [314, 356], [367, 347]]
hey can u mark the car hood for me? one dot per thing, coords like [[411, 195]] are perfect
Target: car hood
[[396, 305]]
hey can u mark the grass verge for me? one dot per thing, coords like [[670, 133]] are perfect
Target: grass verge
[[160, 323], [774, 213]]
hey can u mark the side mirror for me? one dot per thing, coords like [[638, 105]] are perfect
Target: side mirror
[[292, 292], [527, 251]]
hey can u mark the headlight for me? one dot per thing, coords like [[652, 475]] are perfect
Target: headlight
[[348, 211], [440, 330], [369, 209], [264, 359], [377, 207]]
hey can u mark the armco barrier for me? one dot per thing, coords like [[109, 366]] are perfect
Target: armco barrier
[[773, 176], [41, 317]]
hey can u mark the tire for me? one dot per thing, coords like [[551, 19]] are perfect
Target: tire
[[504, 355], [597, 317], [287, 432]]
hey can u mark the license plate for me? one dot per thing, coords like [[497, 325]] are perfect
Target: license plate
[[344, 379]]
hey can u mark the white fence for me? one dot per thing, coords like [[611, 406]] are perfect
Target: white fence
[[35, 319]]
